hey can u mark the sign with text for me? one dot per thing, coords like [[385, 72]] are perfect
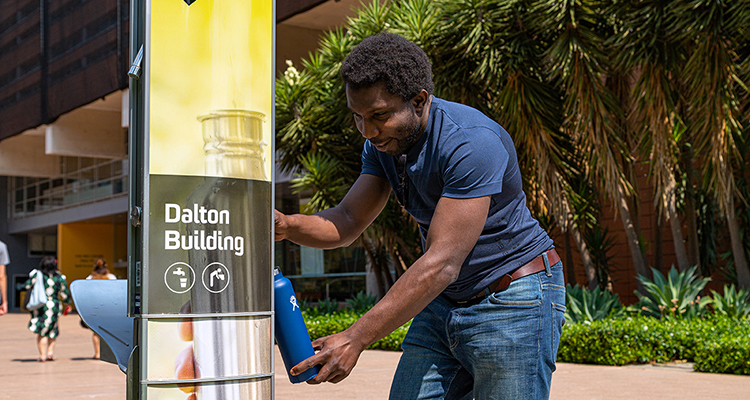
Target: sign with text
[[207, 212]]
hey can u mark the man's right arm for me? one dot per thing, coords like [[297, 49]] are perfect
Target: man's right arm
[[341, 225]]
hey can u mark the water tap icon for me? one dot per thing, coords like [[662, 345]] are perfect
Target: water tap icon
[[179, 272]]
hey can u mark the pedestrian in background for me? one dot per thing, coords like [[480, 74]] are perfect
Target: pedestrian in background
[[44, 319], [100, 272], [4, 260]]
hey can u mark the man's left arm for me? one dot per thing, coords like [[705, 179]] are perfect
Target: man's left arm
[[454, 231]]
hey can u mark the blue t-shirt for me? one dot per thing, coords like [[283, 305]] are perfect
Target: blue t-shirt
[[465, 154]]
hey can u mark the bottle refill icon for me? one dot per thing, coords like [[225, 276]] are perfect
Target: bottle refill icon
[[291, 332], [228, 238]]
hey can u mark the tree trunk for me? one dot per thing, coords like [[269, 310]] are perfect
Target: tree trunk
[[691, 222], [569, 260], [639, 261], [588, 264], [683, 264], [658, 248], [738, 250], [371, 251], [387, 273]]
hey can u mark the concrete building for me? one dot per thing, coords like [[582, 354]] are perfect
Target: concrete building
[[64, 138]]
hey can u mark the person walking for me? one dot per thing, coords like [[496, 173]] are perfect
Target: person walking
[[100, 272], [4, 261], [44, 320], [487, 296]]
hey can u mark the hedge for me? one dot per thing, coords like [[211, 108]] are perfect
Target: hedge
[[716, 344], [325, 325]]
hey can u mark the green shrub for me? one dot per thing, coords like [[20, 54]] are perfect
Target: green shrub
[[393, 340], [676, 295], [362, 302], [616, 341], [727, 355], [590, 305], [716, 344], [734, 303], [323, 307], [325, 325]]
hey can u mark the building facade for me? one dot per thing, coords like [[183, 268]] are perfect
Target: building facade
[[64, 111]]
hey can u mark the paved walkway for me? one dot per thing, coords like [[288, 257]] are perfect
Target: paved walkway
[[75, 376]]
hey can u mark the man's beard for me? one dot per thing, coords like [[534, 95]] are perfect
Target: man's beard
[[414, 131]]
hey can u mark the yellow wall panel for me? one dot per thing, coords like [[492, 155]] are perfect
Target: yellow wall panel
[[79, 245]]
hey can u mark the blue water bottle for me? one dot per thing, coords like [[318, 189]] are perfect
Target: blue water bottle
[[291, 332]]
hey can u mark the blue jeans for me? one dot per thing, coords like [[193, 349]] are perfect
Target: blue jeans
[[504, 347]]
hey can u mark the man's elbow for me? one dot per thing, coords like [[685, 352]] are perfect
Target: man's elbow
[[446, 273], [451, 272], [348, 240]]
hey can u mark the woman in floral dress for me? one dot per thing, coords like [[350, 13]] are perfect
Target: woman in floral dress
[[44, 319]]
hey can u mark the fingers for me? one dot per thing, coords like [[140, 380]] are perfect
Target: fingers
[[184, 368], [306, 364], [336, 360], [331, 371], [279, 221]]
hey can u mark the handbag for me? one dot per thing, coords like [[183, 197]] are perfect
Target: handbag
[[37, 297]]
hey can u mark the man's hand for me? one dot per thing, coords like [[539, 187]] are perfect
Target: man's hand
[[4, 308], [337, 355], [280, 225]]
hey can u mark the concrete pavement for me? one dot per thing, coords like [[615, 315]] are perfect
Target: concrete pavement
[[74, 375]]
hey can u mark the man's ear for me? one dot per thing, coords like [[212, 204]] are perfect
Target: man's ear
[[420, 101]]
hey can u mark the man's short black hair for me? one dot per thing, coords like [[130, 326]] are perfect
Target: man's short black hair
[[390, 59]]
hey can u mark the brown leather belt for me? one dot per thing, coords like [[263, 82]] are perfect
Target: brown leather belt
[[532, 267]]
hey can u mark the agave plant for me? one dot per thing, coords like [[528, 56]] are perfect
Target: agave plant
[[590, 305], [361, 302], [734, 303], [676, 295]]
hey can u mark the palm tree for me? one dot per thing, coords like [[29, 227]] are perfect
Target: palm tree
[[712, 72], [578, 61], [489, 54], [644, 48], [315, 135]]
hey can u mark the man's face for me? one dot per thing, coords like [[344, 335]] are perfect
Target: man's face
[[390, 123]]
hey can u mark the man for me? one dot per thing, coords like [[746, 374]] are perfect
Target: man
[[4, 260], [487, 296]]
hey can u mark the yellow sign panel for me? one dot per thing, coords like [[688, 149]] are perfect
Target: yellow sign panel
[[208, 285], [211, 68]]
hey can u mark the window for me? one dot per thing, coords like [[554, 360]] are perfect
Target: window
[[82, 180], [42, 245]]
